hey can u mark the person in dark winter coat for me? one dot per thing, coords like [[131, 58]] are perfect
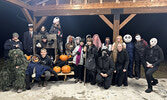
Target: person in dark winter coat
[[56, 29], [13, 43], [43, 31], [91, 54], [130, 49], [121, 66], [28, 40], [153, 57], [105, 68], [140, 46], [78, 61]]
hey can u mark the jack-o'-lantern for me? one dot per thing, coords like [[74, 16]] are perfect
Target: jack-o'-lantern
[[35, 59], [66, 69], [28, 57], [69, 56]]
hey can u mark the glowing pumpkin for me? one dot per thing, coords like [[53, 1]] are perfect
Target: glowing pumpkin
[[66, 69], [63, 57], [57, 69], [35, 59]]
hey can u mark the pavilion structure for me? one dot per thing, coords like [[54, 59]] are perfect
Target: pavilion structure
[[45, 8]]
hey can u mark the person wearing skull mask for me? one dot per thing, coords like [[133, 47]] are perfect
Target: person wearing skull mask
[[105, 68], [153, 57], [140, 46], [130, 49]]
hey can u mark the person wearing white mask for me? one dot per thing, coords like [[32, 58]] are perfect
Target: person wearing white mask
[[28, 40], [153, 57], [140, 46]]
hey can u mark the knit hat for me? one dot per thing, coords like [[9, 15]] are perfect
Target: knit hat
[[15, 34]]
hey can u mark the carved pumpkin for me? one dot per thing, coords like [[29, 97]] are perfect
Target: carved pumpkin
[[66, 69], [35, 59], [64, 57], [28, 57], [57, 69]]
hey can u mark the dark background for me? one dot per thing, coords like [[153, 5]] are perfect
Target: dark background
[[148, 25]]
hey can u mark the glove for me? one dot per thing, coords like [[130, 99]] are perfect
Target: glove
[[38, 45], [78, 53]]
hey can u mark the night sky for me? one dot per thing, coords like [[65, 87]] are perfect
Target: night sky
[[148, 25]]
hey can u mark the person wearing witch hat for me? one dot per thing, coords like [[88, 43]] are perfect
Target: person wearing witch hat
[[28, 40]]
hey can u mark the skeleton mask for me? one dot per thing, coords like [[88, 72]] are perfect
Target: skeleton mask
[[127, 38], [153, 42], [138, 37]]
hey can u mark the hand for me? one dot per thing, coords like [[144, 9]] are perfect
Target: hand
[[105, 75], [101, 74], [17, 45], [17, 66], [124, 70], [85, 48], [115, 71], [39, 45]]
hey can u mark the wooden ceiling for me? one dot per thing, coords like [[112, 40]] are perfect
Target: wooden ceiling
[[90, 7]]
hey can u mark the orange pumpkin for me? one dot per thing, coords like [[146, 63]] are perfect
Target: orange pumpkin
[[69, 56], [66, 69], [35, 59], [57, 69], [63, 57], [28, 57]]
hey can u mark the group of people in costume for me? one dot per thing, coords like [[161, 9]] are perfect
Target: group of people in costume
[[94, 62]]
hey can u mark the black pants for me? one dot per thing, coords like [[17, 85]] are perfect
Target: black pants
[[121, 77], [91, 77], [105, 81], [78, 70], [138, 61], [130, 67], [149, 77]]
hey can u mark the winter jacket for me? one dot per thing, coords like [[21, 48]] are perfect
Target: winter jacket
[[74, 53], [105, 65], [140, 47], [46, 61], [122, 60], [130, 49], [11, 44], [55, 30], [154, 55]]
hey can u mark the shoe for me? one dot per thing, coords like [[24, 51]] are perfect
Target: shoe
[[130, 76], [19, 91], [155, 82], [77, 80], [44, 84], [149, 90], [40, 84], [80, 81], [137, 78]]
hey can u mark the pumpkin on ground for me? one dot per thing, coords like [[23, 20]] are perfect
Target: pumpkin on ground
[[57, 69], [66, 69], [63, 57]]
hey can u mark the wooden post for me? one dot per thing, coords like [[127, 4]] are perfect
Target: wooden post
[[86, 1], [57, 2], [116, 26], [101, 1], [34, 23]]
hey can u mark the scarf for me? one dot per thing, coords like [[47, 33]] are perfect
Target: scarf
[[78, 56]]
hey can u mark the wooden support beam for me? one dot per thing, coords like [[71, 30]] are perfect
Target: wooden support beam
[[41, 2], [106, 21], [116, 26], [127, 20], [86, 1], [40, 22], [34, 23], [27, 15], [21, 4]]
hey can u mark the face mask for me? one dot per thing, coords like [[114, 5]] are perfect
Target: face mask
[[138, 38], [127, 38], [153, 42]]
